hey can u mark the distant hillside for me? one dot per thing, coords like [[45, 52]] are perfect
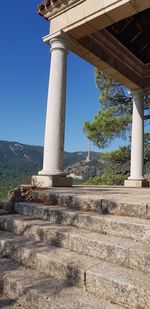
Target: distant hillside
[[86, 169], [19, 161]]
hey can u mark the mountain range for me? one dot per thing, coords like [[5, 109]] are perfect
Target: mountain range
[[19, 161]]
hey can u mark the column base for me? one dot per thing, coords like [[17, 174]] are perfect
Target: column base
[[133, 183], [51, 181]]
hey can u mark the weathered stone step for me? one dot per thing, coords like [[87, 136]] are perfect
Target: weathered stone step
[[102, 201], [51, 260], [30, 289], [110, 248], [6, 265], [133, 228], [6, 303], [125, 287]]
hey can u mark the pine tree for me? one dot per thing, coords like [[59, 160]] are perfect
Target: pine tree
[[114, 117]]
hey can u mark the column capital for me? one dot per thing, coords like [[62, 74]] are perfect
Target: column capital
[[59, 40], [138, 92]]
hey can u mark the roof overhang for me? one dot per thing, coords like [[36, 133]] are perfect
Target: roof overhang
[[98, 29]]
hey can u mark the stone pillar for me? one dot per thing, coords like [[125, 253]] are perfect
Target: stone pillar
[[136, 178], [53, 161]]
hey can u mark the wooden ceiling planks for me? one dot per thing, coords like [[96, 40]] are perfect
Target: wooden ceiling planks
[[134, 34]]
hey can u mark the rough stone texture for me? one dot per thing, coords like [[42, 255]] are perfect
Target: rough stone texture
[[7, 303], [6, 266], [37, 291], [125, 227], [106, 255], [126, 287], [105, 200], [108, 281], [111, 248], [133, 228], [36, 229], [19, 194], [52, 261]]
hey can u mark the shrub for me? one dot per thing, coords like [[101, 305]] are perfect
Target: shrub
[[106, 179]]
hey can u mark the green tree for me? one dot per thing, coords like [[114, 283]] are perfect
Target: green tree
[[118, 161], [114, 116]]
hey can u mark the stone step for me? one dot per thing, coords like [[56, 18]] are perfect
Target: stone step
[[115, 284], [51, 260], [7, 303], [102, 200], [129, 253], [126, 227], [126, 287], [25, 288], [6, 265]]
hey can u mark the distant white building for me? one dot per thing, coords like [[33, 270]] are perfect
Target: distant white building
[[72, 175]]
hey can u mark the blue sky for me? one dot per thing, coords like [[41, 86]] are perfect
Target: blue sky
[[24, 72]]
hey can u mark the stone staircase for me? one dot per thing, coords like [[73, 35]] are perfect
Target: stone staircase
[[68, 252]]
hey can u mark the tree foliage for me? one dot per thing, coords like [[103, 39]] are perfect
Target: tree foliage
[[118, 161], [114, 116]]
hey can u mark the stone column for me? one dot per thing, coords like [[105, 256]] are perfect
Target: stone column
[[136, 178], [53, 161]]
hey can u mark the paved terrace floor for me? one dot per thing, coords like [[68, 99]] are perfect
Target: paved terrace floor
[[115, 193]]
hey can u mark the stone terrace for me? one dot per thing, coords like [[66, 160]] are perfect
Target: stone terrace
[[94, 197], [116, 193], [77, 248]]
